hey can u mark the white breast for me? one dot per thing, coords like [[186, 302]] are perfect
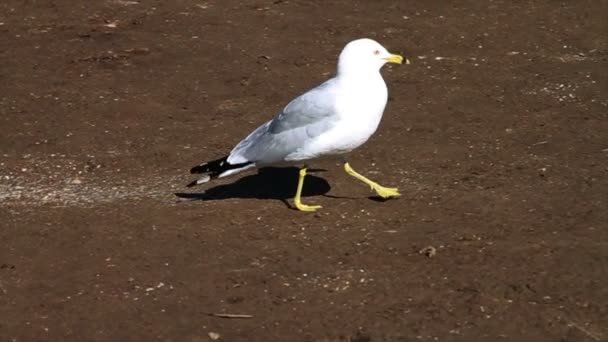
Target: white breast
[[359, 105]]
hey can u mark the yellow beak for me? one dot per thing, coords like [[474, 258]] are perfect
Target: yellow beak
[[397, 59]]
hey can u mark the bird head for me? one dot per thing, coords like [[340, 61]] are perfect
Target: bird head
[[364, 55]]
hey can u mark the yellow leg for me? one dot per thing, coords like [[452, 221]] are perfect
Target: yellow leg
[[379, 189], [297, 201]]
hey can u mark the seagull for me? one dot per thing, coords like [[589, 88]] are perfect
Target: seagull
[[331, 119]]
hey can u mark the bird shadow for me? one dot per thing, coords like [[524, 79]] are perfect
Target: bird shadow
[[277, 183]]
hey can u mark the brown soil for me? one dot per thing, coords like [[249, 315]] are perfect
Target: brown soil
[[496, 135]]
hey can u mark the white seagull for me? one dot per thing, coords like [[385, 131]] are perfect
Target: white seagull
[[332, 119]]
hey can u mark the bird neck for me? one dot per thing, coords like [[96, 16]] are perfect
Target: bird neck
[[360, 79], [358, 74]]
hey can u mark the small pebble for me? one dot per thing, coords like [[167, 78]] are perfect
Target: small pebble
[[429, 251]]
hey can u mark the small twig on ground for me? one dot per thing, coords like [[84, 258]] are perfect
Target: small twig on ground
[[228, 315], [540, 143], [594, 335]]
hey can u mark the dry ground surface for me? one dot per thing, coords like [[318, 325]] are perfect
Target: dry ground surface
[[496, 135]]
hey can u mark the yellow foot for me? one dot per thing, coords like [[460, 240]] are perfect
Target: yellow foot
[[304, 207], [386, 192]]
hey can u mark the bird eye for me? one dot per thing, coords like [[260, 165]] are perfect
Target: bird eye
[[376, 52]]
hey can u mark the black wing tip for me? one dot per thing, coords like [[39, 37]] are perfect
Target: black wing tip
[[213, 170], [211, 166], [197, 169]]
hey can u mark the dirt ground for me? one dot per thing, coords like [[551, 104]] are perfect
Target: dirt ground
[[496, 135]]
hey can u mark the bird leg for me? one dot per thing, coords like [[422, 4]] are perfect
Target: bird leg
[[297, 201], [379, 189]]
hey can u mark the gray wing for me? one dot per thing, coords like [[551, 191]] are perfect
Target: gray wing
[[303, 119], [309, 108]]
